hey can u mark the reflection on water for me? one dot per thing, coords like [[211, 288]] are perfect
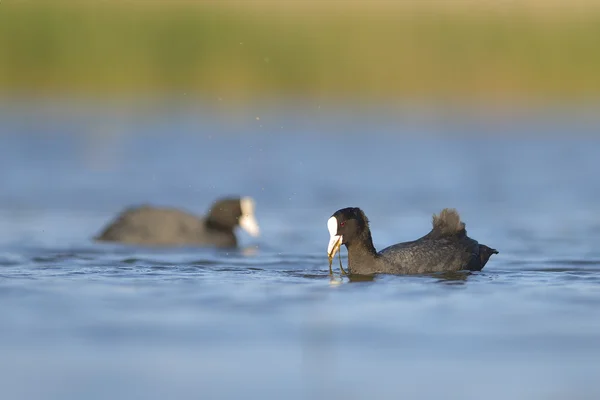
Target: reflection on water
[[90, 320], [360, 278], [453, 277]]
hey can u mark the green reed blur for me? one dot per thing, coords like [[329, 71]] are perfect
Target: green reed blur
[[113, 49]]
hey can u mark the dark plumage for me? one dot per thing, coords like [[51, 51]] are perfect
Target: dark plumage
[[156, 226], [445, 248]]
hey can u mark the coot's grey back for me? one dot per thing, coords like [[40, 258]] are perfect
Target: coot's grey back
[[428, 255], [148, 225], [445, 248]]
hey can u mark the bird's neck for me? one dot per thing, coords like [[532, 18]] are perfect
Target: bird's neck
[[361, 254], [220, 229], [214, 225]]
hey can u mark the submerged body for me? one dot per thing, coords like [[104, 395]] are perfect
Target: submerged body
[[446, 248], [161, 226]]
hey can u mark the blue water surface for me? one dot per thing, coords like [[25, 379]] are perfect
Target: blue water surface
[[82, 320]]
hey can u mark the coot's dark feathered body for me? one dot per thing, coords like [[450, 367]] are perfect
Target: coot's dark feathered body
[[445, 248], [158, 226]]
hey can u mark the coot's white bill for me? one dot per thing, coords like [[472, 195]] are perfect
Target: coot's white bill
[[335, 240], [248, 220]]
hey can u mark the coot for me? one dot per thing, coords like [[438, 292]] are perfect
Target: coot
[[445, 248], [158, 226]]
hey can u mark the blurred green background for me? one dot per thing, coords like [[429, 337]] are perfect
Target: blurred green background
[[529, 51]]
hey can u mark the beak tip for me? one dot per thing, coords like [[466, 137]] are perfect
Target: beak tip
[[335, 243], [253, 231], [250, 225]]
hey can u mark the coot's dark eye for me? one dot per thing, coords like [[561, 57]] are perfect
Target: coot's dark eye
[[342, 223]]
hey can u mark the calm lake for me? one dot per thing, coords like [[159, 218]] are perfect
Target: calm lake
[[82, 320]]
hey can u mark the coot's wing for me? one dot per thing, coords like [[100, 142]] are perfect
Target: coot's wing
[[425, 256]]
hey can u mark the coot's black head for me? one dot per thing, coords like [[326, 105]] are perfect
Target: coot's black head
[[345, 227], [227, 213]]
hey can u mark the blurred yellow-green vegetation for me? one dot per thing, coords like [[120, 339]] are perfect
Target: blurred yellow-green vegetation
[[529, 50]]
